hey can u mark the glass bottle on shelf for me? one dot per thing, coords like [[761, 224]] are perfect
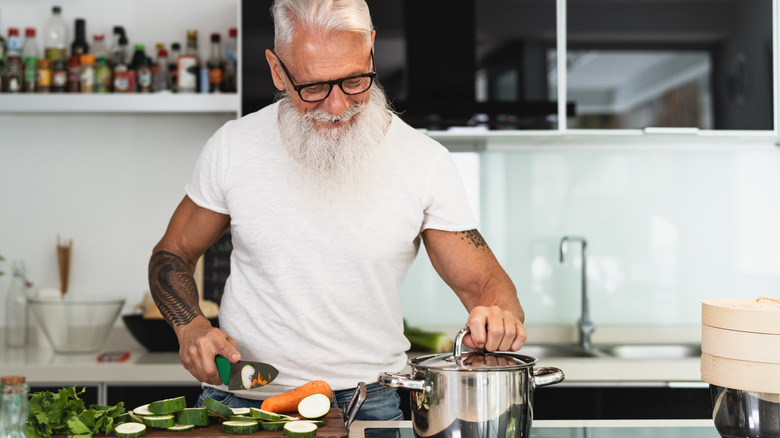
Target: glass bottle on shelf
[[231, 62], [103, 76], [59, 76], [215, 64], [43, 76], [14, 75], [87, 74], [80, 45], [98, 47], [16, 308], [31, 53], [189, 65], [173, 65], [162, 75], [142, 69], [55, 36], [13, 406]]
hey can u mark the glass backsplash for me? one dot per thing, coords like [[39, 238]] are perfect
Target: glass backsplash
[[665, 231]]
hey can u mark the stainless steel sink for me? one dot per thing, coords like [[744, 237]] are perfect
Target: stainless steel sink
[[651, 351], [616, 351]]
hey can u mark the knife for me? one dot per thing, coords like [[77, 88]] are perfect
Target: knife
[[245, 374]]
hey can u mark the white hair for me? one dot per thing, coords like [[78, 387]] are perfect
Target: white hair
[[327, 16]]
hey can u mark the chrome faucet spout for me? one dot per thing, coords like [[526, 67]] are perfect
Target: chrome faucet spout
[[585, 324]]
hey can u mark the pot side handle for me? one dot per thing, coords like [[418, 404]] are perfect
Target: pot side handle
[[405, 381], [547, 376]]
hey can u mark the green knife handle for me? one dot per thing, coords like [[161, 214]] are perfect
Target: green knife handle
[[223, 366]]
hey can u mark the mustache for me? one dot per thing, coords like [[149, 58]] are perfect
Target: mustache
[[320, 115]]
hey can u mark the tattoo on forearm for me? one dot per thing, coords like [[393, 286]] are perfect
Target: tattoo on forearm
[[474, 238], [173, 288]]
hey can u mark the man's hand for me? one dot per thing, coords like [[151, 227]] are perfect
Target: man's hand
[[494, 330], [199, 344]]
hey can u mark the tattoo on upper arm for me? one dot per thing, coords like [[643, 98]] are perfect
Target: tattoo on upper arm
[[173, 288], [474, 238]]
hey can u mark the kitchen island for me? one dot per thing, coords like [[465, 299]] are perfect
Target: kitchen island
[[578, 428]]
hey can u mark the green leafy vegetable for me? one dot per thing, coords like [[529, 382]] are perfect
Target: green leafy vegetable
[[64, 413]]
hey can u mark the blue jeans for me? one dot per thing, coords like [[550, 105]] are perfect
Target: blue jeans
[[382, 403]]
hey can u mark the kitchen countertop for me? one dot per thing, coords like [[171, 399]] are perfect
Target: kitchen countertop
[[579, 428], [42, 366]]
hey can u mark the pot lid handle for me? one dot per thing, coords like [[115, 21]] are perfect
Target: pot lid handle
[[457, 350]]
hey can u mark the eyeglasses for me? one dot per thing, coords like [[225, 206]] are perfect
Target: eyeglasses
[[319, 91]]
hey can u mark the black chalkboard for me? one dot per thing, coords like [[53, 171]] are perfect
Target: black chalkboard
[[216, 268]]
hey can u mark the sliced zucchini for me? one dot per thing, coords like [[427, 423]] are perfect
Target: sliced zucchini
[[240, 426], [247, 373], [143, 411], [136, 418], [130, 430], [167, 406], [160, 421], [314, 406], [220, 409], [241, 411], [181, 427], [300, 429], [123, 418], [318, 423], [194, 416], [273, 425], [265, 415], [241, 418]]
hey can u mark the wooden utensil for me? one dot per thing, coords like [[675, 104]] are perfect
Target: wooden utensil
[[63, 261]]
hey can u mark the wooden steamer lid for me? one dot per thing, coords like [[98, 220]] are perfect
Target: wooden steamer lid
[[741, 344]]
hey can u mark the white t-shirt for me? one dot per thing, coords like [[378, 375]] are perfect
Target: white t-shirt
[[314, 281]]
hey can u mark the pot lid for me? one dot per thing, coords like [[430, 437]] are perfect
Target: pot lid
[[473, 360]]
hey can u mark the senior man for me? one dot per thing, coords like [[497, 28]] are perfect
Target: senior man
[[327, 194]]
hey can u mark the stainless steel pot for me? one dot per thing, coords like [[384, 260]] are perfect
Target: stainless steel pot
[[739, 414], [472, 395]]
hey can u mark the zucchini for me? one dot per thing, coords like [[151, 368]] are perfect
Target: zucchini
[[143, 411], [240, 426], [427, 341], [123, 418], [194, 416], [265, 415], [181, 427], [247, 373], [314, 406], [130, 430], [241, 411], [160, 422], [300, 429], [241, 418], [273, 425], [218, 408], [168, 406]]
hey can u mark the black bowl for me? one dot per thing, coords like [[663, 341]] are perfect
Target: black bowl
[[155, 334]]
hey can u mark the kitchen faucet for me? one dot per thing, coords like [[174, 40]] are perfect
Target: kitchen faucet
[[586, 326]]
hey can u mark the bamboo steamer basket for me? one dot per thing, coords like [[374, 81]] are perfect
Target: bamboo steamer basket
[[741, 344]]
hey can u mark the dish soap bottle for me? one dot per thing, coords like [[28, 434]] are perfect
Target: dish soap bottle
[[16, 308]]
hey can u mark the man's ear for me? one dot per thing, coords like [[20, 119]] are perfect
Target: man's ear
[[276, 70]]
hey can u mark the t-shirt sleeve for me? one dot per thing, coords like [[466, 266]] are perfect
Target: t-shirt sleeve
[[207, 187], [447, 206]]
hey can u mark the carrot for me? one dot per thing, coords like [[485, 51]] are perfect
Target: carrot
[[288, 401]]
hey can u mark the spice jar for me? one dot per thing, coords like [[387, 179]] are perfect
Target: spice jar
[[13, 415]]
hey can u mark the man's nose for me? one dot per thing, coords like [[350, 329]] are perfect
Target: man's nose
[[337, 102]]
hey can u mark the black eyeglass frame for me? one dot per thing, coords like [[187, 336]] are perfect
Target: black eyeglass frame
[[330, 84]]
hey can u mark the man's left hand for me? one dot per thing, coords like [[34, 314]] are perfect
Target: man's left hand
[[494, 330]]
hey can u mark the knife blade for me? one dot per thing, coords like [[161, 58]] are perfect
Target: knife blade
[[245, 374]]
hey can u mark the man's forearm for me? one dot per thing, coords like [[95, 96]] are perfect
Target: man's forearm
[[173, 288]]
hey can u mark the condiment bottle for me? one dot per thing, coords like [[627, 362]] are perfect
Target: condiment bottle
[[14, 407], [87, 75], [103, 76], [74, 71], [31, 54], [43, 76]]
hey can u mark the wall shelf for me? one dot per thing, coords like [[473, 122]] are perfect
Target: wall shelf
[[119, 103]]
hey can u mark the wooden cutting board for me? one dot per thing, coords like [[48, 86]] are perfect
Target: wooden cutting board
[[334, 428]]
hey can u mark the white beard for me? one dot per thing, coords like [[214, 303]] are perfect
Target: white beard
[[335, 159]]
